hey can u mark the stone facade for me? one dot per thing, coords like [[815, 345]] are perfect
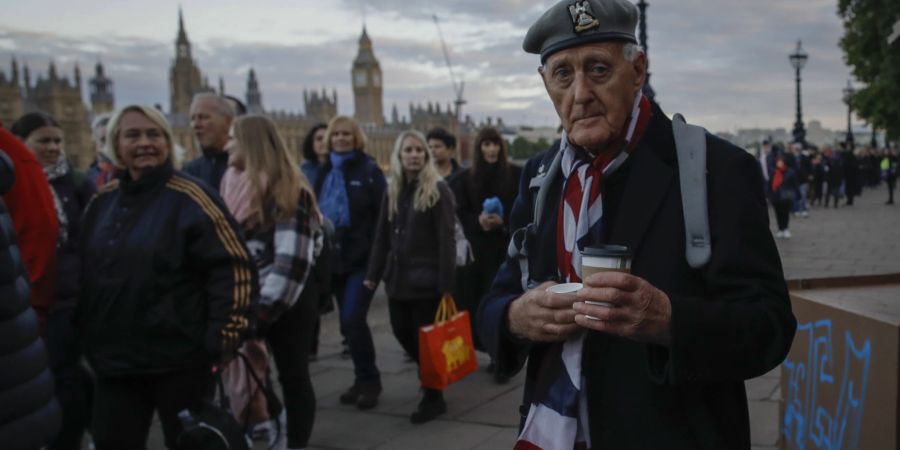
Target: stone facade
[[55, 95]]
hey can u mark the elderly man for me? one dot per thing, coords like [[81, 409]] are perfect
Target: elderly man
[[211, 117], [662, 364]]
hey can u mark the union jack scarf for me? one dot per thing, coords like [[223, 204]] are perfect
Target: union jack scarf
[[557, 418]]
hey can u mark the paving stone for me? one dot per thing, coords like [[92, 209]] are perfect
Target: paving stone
[[442, 435]]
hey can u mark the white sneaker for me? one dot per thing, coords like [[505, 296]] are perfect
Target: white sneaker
[[786, 234], [804, 214], [779, 234]]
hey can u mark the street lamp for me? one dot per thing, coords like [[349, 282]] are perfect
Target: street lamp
[[798, 60], [848, 99], [642, 5]]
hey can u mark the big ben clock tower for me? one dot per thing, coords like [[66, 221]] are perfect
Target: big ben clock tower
[[366, 77]]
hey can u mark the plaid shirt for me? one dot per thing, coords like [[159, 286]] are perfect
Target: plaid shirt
[[284, 255]]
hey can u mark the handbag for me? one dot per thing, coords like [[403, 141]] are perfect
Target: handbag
[[212, 427], [446, 353]]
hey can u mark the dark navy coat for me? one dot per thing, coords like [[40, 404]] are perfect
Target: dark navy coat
[[731, 320]]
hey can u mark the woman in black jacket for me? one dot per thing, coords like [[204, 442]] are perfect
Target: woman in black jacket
[[488, 190], [30, 415], [167, 283], [349, 188], [414, 250], [72, 190]]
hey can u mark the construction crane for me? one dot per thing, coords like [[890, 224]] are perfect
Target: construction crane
[[457, 87]]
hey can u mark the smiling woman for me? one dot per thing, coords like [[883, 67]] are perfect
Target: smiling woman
[[168, 283]]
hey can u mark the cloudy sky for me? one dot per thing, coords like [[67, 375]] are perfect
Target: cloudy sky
[[721, 63]]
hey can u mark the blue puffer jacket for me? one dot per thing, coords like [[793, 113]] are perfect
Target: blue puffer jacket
[[29, 413]]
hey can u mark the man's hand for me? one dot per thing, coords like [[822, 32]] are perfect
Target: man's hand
[[370, 285], [542, 316], [638, 310]]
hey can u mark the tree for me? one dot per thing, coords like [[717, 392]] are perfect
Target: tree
[[867, 26]]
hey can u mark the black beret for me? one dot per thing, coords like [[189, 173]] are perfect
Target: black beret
[[571, 23]]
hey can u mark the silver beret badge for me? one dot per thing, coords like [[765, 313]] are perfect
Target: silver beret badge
[[583, 16]]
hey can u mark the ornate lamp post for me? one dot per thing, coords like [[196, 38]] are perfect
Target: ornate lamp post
[[848, 99], [642, 36], [798, 60]]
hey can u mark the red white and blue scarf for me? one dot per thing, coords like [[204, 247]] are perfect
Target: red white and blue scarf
[[557, 418]]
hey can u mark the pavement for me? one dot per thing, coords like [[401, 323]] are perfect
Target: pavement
[[863, 239]]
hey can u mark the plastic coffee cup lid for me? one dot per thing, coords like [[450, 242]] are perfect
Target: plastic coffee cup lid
[[565, 288]]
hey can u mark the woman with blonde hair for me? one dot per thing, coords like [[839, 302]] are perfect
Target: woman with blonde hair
[[415, 250], [350, 186], [167, 284], [275, 204]]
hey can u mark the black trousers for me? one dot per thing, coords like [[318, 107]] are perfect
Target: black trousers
[[73, 383], [290, 339], [783, 213], [891, 184], [124, 406], [407, 315]]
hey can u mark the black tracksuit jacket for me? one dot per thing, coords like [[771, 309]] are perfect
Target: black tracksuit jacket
[[167, 281]]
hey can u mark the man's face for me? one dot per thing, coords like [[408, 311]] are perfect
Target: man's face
[[439, 150], [209, 124], [593, 88]]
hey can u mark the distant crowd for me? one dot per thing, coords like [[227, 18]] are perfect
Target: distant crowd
[[799, 177]]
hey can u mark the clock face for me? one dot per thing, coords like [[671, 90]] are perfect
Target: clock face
[[376, 79], [359, 78]]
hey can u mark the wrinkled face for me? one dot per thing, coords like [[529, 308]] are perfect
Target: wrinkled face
[[210, 126], [319, 147], [46, 144], [141, 144], [342, 138], [413, 156], [593, 88], [439, 150], [490, 151]]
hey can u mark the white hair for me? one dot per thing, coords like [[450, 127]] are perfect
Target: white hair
[[632, 50], [221, 104]]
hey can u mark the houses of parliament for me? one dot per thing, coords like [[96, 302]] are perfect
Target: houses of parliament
[[63, 98]]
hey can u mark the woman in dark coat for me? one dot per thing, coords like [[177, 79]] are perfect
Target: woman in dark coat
[[315, 152], [414, 250], [350, 186], [30, 415], [488, 190], [72, 190], [167, 286]]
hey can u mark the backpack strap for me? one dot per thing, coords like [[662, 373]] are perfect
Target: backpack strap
[[690, 143], [518, 243]]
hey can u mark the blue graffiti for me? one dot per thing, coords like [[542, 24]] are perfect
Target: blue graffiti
[[806, 423]]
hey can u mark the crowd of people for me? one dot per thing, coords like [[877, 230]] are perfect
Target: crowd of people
[[153, 284], [798, 177]]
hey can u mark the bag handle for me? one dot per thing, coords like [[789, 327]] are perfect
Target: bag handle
[[446, 310]]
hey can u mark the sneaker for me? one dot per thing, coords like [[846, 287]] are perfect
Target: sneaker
[[368, 395], [350, 396], [431, 406], [804, 214], [779, 234], [786, 234]]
